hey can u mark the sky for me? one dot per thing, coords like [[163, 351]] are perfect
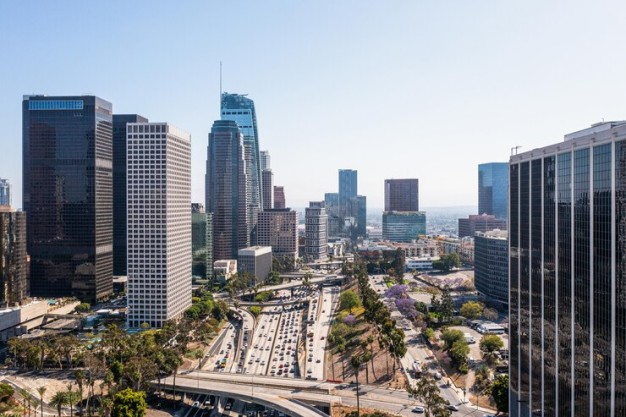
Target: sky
[[393, 89]]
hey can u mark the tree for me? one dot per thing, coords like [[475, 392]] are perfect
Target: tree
[[41, 390], [449, 336], [500, 393], [490, 314], [83, 308], [472, 310], [356, 361], [255, 310], [447, 305], [490, 344], [397, 291], [427, 392], [429, 334], [348, 300], [6, 392], [458, 353], [129, 403], [406, 306], [59, 400]]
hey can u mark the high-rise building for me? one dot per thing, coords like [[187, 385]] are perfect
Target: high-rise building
[[278, 228], [479, 223], [14, 264], [491, 265], [335, 219], [201, 242], [316, 235], [120, 208], [240, 109], [5, 192], [159, 223], [68, 195], [403, 226], [493, 189], [279, 197], [268, 179], [256, 261], [347, 192], [226, 190], [265, 161], [361, 216], [402, 194], [567, 289]]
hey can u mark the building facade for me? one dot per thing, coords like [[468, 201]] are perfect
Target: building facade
[[316, 236], [348, 183], [68, 195], [14, 261], [256, 261], [278, 228], [403, 226], [402, 194], [268, 188], [226, 190], [5, 192], [120, 209], [159, 223], [201, 242], [265, 160], [567, 269], [279, 197], [479, 223], [491, 265], [493, 189]]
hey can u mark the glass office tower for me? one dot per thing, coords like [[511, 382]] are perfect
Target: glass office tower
[[568, 276], [68, 187], [493, 189], [5, 192]]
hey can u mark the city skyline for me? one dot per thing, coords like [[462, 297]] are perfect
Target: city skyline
[[486, 67]]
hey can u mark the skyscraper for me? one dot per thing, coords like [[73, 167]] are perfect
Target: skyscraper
[[268, 179], [14, 266], [402, 194], [479, 223], [265, 160], [159, 223], [491, 270], [316, 226], [493, 189], [240, 109], [226, 190], [120, 208], [279, 197], [5, 192], [68, 195], [201, 242], [278, 228], [567, 289], [347, 191]]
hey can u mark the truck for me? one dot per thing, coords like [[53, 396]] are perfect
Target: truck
[[469, 338], [416, 368]]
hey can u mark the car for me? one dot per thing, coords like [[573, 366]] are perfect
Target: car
[[309, 371], [318, 361], [453, 407], [322, 338], [196, 404], [418, 409]]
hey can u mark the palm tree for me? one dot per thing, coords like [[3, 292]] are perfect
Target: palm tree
[[41, 390], [80, 380], [356, 362], [59, 400], [71, 398]]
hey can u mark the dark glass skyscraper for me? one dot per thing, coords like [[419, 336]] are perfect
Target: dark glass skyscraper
[[493, 189], [240, 109], [5, 192], [68, 187], [13, 257], [226, 190], [347, 191], [567, 289], [402, 194], [120, 207]]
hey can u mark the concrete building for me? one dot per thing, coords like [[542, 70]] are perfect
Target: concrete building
[[227, 189], [120, 208], [5, 192], [224, 270], [14, 260], [491, 265], [493, 189], [268, 188], [479, 223], [316, 237], [257, 261], [159, 223], [402, 194], [279, 197], [278, 228], [201, 243], [67, 152], [567, 302], [403, 226], [420, 264]]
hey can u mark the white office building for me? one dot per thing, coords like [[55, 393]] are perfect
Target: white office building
[[159, 223]]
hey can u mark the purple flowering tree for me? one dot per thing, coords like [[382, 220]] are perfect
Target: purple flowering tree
[[349, 320], [397, 292], [406, 306]]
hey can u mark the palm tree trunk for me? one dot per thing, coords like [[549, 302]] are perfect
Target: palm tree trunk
[[358, 404], [373, 370]]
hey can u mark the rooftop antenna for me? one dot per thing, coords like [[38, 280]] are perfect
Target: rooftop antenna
[[514, 150]]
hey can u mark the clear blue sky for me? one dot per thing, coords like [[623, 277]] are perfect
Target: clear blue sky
[[394, 89]]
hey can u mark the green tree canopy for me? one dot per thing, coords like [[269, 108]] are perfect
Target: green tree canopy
[[129, 403], [500, 393], [449, 336], [83, 308], [255, 310], [491, 343], [472, 310], [348, 300]]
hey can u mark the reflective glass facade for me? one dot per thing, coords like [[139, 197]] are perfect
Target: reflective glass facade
[[5, 192], [403, 226], [493, 189], [568, 277], [13, 258], [68, 187], [201, 243]]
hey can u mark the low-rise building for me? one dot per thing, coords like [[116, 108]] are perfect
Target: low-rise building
[[257, 261], [420, 264], [224, 269], [479, 223]]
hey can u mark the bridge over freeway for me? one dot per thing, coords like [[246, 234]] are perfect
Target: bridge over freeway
[[294, 397]]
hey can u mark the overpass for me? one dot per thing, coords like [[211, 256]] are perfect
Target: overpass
[[290, 396], [312, 281]]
